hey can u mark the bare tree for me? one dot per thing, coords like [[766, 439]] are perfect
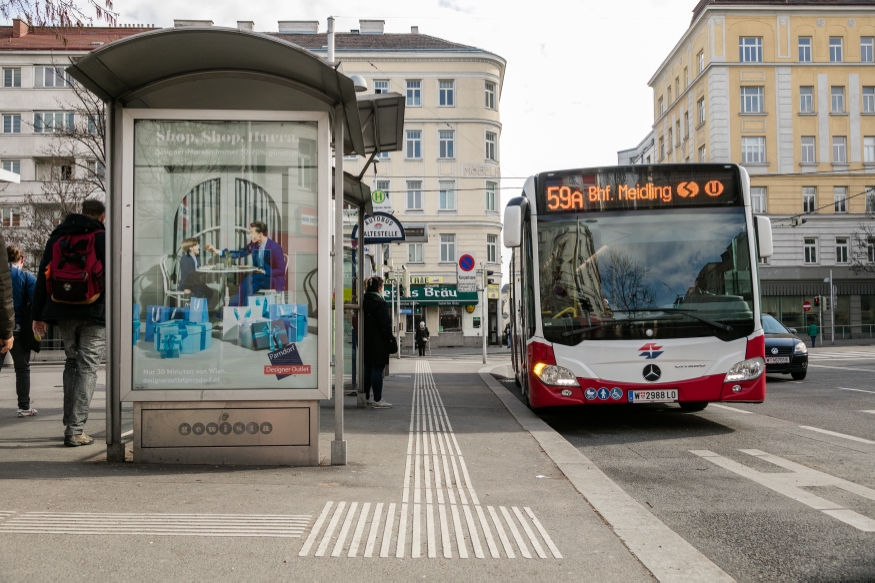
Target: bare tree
[[863, 241], [58, 15], [625, 282]]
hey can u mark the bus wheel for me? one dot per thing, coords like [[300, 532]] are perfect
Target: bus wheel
[[693, 406]]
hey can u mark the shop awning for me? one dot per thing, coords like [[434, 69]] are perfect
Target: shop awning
[[435, 295]]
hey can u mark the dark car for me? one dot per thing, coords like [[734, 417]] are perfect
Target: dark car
[[785, 354]]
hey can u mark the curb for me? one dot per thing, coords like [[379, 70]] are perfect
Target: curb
[[661, 550]]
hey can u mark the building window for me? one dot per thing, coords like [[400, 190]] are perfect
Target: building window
[[491, 248], [669, 94], [381, 86], [677, 87], [490, 196], [809, 198], [51, 122], [446, 195], [752, 100], [414, 93], [869, 149], [490, 95], [870, 253], [839, 150], [97, 171], [868, 99], [57, 170], [701, 109], [686, 125], [870, 199], [10, 217], [700, 62], [414, 195], [753, 150], [806, 99], [446, 93], [702, 154], [808, 150], [810, 246], [661, 147], [837, 99], [661, 106], [840, 199], [414, 253], [13, 166], [670, 138], [11, 123], [867, 49], [446, 141], [491, 143], [750, 49], [835, 49], [804, 49], [11, 77], [841, 249], [450, 319], [758, 199], [677, 132], [448, 248], [686, 77], [51, 77], [414, 144]]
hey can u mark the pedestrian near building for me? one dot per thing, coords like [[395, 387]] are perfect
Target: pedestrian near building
[[79, 313], [421, 337], [812, 331], [7, 310], [23, 284], [377, 342]]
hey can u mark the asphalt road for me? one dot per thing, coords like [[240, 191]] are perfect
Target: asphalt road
[[751, 530]]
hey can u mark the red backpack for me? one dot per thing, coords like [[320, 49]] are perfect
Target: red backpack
[[75, 275]]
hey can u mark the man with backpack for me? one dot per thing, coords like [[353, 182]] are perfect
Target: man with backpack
[[69, 293]]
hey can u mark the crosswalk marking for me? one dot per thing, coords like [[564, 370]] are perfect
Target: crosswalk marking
[[841, 355]]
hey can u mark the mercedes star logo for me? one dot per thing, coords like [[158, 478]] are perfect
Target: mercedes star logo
[[774, 351], [652, 373]]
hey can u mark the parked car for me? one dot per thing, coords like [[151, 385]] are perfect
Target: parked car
[[785, 354]]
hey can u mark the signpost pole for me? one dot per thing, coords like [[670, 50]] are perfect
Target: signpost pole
[[484, 313], [832, 309], [338, 446]]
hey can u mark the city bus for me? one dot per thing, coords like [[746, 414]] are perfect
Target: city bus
[[637, 284]]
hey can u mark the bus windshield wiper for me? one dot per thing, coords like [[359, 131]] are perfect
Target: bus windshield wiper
[[568, 333], [691, 314]]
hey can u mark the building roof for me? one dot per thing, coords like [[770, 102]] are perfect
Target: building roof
[[353, 41], [806, 3], [74, 39]]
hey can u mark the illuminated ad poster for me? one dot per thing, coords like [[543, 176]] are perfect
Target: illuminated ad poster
[[225, 255]]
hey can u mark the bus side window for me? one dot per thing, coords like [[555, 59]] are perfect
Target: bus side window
[[529, 287]]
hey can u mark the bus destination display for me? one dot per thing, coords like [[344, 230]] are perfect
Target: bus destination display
[[632, 188]]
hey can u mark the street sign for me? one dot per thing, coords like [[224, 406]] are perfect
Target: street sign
[[466, 278], [380, 228], [806, 305], [381, 202]]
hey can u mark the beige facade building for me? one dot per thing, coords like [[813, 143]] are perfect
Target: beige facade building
[[786, 89]]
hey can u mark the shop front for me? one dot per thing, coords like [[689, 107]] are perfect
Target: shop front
[[452, 316]]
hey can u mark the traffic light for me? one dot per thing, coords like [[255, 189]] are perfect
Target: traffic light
[[816, 301], [488, 273]]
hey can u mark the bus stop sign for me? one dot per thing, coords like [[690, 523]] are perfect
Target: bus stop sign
[[466, 279]]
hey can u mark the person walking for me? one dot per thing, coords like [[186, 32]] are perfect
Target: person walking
[[7, 307], [507, 335], [377, 341], [421, 337], [812, 331], [23, 284], [79, 243]]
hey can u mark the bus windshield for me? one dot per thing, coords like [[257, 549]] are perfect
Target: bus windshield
[[645, 274]]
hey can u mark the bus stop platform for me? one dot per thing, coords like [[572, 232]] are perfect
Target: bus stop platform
[[452, 482]]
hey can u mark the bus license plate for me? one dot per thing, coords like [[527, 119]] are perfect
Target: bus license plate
[[777, 360], [654, 396]]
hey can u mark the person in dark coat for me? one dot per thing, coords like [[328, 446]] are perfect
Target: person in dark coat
[[23, 284], [377, 338], [421, 337], [7, 310], [190, 280]]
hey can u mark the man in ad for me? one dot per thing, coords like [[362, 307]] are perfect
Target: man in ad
[[267, 258]]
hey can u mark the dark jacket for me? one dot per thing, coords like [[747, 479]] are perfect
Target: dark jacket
[[273, 262], [421, 333], [23, 286], [378, 330], [187, 268], [7, 310], [44, 308]]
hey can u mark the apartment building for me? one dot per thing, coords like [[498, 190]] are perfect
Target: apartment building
[[445, 186], [786, 89]]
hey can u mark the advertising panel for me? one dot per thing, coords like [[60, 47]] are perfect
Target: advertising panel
[[224, 255]]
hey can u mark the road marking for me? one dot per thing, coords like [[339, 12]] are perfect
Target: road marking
[[529, 533], [372, 535], [329, 532], [359, 528], [791, 484], [126, 433], [387, 532], [834, 434], [841, 368], [344, 530], [857, 390], [733, 409], [543, 532], [316, 527], [868, 411]]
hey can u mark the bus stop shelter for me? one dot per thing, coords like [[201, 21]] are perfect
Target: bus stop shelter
[[219, 162]]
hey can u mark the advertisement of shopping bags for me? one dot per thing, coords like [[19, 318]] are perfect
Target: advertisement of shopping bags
[[223, 268]]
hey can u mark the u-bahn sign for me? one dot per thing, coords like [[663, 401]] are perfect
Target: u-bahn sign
[[381, 228]]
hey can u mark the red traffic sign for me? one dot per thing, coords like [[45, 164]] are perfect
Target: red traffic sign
[[466, 262], [806, 305]]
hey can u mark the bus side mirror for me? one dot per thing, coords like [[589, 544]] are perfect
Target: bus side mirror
[[513, 226], [764, 236]]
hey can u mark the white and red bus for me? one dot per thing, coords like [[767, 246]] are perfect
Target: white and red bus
[[637, 284]]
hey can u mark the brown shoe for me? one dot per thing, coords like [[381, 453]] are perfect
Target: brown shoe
[[77, 440]]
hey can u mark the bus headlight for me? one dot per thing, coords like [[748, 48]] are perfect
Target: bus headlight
[[746, 370], [801, 348], [558, 376]]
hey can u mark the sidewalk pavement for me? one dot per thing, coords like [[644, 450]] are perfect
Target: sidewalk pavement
[[424, 495]]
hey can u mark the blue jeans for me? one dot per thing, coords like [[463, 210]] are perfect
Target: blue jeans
[[21, 362], [373, 379], [84, 345], [813, 338], [249, 287]]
